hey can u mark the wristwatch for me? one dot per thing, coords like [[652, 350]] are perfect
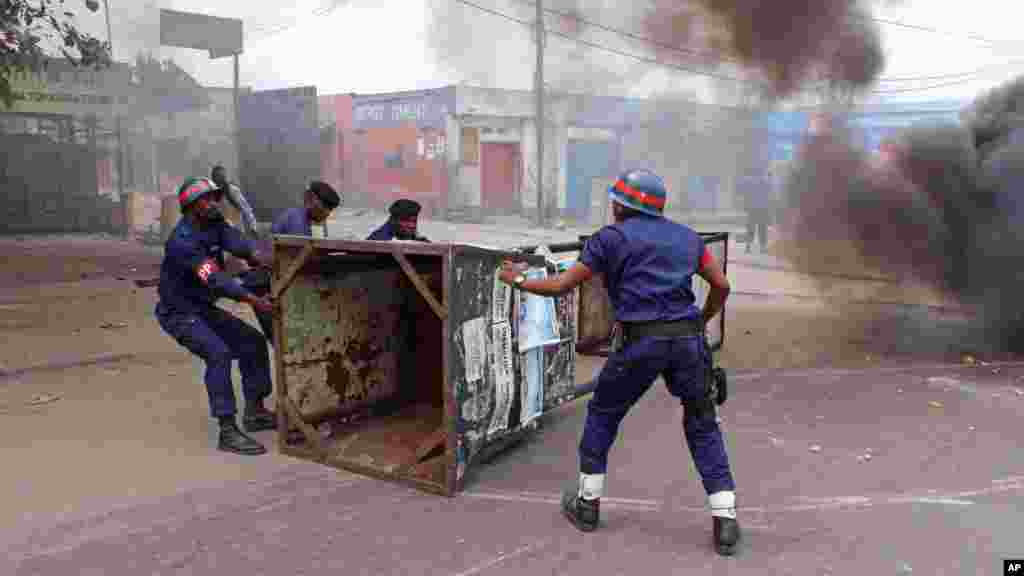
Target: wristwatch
[[518, 280]]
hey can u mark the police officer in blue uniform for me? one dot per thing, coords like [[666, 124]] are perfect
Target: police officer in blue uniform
[[192, 278], [319, 200], [647, 263], [402, 225]]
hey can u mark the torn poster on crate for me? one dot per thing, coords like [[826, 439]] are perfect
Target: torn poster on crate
[[504, 377], [501, 302], [474, 339], [536, 314], [532, 363]]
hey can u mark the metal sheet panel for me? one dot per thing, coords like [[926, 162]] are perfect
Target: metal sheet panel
[[341, 340], [408, 336]]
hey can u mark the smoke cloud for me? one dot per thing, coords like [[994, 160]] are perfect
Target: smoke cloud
[[788, 43], [937, 206]]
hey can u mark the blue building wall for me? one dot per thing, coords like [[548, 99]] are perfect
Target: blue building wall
[[875, 122], [586, 161]]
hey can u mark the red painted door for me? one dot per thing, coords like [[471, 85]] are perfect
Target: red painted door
[[499, 175]]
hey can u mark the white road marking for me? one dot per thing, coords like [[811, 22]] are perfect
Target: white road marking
[[825, 372], [1010, 484], [501, 558]]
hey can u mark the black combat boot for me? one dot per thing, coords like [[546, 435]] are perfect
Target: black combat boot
[[258, 418], [584, 514], [727, 535], [234, 440]]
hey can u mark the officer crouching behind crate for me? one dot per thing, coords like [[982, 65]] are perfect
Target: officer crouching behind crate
[[319, 201], [192, 278], [402, 223], [648, 263]]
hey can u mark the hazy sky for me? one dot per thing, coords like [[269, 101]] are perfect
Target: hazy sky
[[381, 45]]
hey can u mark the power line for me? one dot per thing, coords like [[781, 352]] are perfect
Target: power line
[[607, 49], [920, 28], [925, 88], [628, 34], [323, 10], [690, 70], [960, 75], [652, 41]]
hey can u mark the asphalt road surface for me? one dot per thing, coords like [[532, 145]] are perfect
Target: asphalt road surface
[[940, 494]]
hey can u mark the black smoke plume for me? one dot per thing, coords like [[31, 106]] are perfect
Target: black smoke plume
[[937, 206], [791, 43]]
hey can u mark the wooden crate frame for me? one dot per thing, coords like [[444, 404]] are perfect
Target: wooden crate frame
[[291, 255]]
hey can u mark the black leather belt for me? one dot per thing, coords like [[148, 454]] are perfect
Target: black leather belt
[[678, 329]]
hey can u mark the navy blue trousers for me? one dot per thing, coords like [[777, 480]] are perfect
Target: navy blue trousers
[[628, 375], [218, 338]]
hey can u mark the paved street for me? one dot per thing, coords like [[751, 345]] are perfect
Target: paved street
[[109, 466], [941, 494]]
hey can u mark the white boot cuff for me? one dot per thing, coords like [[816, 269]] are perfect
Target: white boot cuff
[[723, 504], [591, 486]]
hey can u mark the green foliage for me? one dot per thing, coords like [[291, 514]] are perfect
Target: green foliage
[[28, 27]]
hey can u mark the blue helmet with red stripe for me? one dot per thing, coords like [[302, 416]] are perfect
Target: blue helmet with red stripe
[[193, 189], [640, 190]]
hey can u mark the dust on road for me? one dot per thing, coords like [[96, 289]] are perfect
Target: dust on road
[[92, 436]]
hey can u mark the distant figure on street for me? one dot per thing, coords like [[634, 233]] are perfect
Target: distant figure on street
[[756, 190], [233, 194], [402, 225]]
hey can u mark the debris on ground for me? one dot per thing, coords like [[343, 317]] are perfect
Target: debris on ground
[[40, 399], [969, 360], [935, 404], [113, 325]]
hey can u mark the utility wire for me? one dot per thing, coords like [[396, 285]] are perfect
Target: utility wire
[[964, 76], [967, 35], [698, 53], [272, 30], [607, 49]]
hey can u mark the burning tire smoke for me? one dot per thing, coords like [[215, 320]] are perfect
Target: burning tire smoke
[[790, 42], [936, 206]]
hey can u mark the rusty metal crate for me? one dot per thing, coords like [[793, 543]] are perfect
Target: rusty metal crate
[[372, 343], [595, 319]]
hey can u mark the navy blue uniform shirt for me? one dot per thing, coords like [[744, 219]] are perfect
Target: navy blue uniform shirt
[[648, 265], [192, 274], [294, 222], [387, 231]]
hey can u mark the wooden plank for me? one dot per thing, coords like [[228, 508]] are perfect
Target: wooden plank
[[450, 406], [424, 290], [312, 436], [433, 440], [293, 268], [281, 389], [364, 246], [369, 471]]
